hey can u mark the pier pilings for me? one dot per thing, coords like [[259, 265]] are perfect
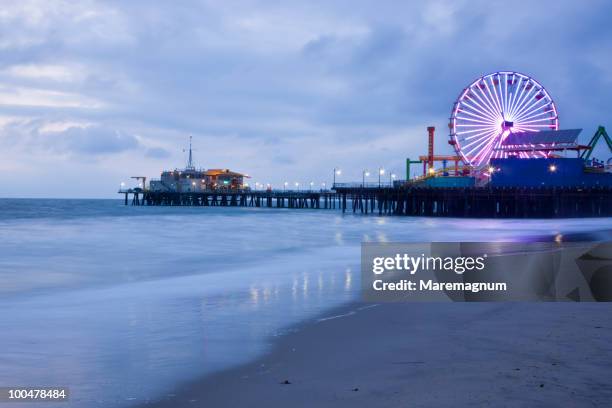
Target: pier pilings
[[485, 202]]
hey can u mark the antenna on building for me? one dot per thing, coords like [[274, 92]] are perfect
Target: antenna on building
[[190, 165]]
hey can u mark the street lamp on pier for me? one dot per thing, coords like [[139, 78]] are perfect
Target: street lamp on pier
[[337, 172], [381, 172], [364, 175]]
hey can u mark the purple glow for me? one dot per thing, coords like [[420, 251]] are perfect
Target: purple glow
[[487, 111]]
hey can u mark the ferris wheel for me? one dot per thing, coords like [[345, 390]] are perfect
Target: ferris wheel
[[494, 106]]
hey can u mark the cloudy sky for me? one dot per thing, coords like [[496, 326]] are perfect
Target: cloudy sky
[[92, 93]]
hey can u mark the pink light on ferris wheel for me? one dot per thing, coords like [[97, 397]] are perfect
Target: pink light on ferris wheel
[[492, 107]]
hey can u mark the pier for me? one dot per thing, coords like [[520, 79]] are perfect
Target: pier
[[473, 202], [511, 185], [242, 198]]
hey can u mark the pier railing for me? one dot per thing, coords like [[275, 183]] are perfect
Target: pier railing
[[368, 198], [368, 184], [227, 191], [237, 198]]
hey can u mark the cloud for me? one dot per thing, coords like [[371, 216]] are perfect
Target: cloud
[[53, 72], [90, 140], [32, 97], [157, 153], [278, 90]]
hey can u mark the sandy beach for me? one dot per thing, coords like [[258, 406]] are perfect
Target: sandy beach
[[424, 355]]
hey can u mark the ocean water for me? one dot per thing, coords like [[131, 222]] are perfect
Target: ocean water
[[123, 304]]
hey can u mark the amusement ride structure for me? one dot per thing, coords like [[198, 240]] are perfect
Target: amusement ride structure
[[494, 106], [503, 115]]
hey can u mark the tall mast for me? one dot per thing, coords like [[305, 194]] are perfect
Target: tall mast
[[190, 162]]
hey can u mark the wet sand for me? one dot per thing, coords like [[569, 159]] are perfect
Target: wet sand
[[423, 355]]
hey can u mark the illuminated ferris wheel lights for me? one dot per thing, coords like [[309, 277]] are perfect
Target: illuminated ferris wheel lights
[[539, 114], [491, 108], [479, 135], [477, 140], [482, 141]]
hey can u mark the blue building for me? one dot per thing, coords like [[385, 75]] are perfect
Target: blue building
[[523, 169], [548, 172]]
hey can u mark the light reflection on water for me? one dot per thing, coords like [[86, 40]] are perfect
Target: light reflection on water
[[129, 302], [262, 294]]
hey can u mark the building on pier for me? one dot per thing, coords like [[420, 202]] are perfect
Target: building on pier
[[547, 164], [547, 172], [192, 180], [529, 159]]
